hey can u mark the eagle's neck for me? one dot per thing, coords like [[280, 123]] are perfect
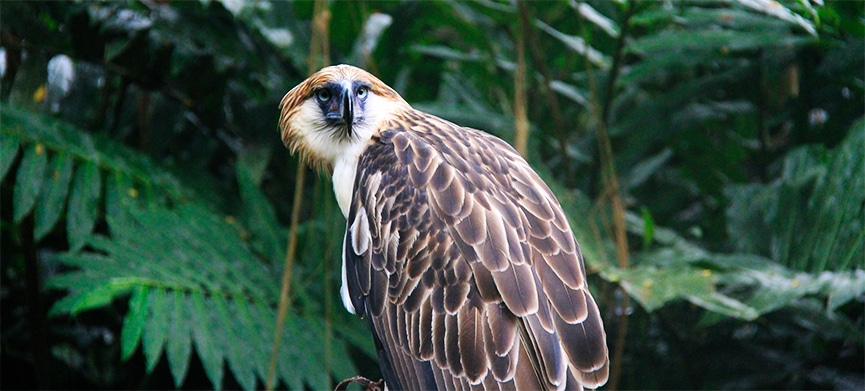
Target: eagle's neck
[[344, 171]]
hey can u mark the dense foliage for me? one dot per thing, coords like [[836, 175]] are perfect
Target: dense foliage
[[709, 155]]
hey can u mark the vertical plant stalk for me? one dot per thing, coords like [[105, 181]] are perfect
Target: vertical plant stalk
[[549, 94], [318, 53], [521, 120], [610, 181]]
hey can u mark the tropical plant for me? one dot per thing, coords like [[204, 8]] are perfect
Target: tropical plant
[[709, 155]]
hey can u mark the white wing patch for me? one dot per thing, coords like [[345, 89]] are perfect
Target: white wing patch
[[343, 290], [360, 239]]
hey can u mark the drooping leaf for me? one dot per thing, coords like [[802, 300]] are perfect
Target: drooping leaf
[[53, 198], [28, 182], [83, 204]]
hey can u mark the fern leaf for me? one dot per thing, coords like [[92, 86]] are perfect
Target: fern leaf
[[156, 327], [206, 345], [53, 199], [242, 367], [179, 344], [133, 323], [83, 204], [28, 182]]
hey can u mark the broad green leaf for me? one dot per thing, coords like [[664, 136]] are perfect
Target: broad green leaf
[[53, 199], [178, 346], [8, 151], [83, 204], [28, 182], [156, 327], [653, 287], [134, 322]]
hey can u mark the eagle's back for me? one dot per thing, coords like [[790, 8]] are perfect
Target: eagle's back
[[464, 263]]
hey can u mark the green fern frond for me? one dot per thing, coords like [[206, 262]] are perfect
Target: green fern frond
[[61, 171], [194, 283]]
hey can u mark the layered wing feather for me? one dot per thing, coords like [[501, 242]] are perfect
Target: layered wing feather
[[460, 256]]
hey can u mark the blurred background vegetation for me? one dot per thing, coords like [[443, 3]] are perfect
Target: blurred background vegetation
[[708, 153]]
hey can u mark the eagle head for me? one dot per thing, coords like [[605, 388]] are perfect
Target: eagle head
[[335, 111]]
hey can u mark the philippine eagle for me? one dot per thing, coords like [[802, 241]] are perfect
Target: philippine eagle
[[455, 251]]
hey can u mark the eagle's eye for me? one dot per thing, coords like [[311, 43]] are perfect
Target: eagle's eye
[[361, 91], [323, 95]]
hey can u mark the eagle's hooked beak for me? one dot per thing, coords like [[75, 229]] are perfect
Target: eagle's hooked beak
[[346, 107]]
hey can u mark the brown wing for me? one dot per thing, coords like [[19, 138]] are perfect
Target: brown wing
[[465, 265]]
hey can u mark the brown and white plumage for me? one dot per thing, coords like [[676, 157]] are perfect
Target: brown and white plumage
[[455, 250]]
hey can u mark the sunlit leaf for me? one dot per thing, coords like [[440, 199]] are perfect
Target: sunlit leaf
[[134, 322], [105, 294]]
